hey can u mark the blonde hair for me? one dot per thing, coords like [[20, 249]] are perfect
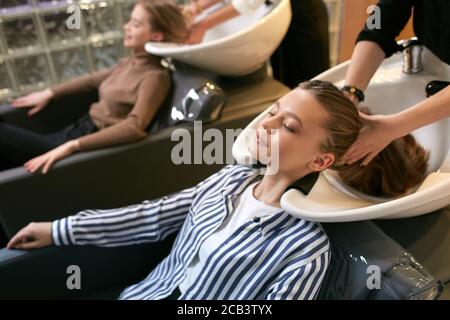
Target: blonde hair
[[167, 18], [399, 167], [343, 123]]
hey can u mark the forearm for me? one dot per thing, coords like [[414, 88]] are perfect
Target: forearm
[[367, 57], [428, 111], [205, 4], [220, 16], [80, 84], [121, 133], [149, 221]]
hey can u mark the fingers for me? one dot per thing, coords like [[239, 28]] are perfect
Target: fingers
[[355, 158], [350, 153], [34, 235], [365, 118], [358, 154], [369, 158], [21, 102], [48, 165], [27, 245], [34, 164], [43, 161], [19, 237], [354, 153], [34, 110]]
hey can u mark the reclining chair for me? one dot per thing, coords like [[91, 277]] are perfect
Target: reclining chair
[[43, 273]]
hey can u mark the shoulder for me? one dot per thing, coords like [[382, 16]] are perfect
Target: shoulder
[[238, 170], [156, 75], [315, 243], [230, 174]]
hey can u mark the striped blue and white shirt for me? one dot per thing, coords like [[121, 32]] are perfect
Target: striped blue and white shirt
[[276, 256]]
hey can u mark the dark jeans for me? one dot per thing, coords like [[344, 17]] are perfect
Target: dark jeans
[[174, 295], [3, 237], [18, 145], [304, 52]]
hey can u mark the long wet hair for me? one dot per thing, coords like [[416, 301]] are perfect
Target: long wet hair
[[399, 167], [402, 165]]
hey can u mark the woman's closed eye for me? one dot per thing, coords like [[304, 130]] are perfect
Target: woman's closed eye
[[288, 128]]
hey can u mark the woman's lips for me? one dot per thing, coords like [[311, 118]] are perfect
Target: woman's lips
[[261, 140]]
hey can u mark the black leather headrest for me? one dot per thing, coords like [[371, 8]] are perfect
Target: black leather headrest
[[194, 96]]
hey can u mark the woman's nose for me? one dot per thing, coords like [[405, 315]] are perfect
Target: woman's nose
[[270, 124]]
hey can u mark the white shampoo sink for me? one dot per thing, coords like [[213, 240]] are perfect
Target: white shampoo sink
[[236, 47], [390, 91]]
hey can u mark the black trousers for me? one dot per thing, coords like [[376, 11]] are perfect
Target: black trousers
[[174, 295], [304, 52], [18, 145], [3, 238]]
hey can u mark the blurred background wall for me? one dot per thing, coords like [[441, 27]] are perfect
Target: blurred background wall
[[37, 48]]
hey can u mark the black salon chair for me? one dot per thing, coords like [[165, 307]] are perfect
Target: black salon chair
[[104, 272]]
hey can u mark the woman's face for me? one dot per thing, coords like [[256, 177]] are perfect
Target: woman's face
[[296, 125], [138, 30]]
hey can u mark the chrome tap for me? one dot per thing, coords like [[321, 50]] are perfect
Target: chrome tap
[[412, 56]]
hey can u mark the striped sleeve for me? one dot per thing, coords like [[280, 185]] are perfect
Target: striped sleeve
[[149, 221], [302, 277]]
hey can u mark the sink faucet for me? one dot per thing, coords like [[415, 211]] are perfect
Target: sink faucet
[[412, 56]]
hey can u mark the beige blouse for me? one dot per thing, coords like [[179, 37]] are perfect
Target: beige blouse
[[130, 95]]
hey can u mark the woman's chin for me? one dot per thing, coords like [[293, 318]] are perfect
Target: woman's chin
[[253, 149], [127, 44]]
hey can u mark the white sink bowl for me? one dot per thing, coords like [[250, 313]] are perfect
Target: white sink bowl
[[390, 91], [237, 47]]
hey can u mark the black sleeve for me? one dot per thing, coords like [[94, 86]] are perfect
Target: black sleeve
[[394, 17]]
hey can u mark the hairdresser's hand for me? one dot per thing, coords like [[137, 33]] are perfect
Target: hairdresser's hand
[[33, 236], [378, 131], [196, 34], [36, 101], [190, 12], [48, 159]]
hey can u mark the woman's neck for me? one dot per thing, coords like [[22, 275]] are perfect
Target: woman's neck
[[138, 52], [272, 187]]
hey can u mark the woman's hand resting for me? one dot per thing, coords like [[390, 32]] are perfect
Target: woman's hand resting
[[36, 101], [48, 159], [33, 236]]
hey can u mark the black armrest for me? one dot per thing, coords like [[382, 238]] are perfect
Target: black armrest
[[43, 273], [358, 248], [55, 116], [106, 271]]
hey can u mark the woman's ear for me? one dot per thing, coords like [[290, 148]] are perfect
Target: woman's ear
[[322, 162], [157, 36]]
